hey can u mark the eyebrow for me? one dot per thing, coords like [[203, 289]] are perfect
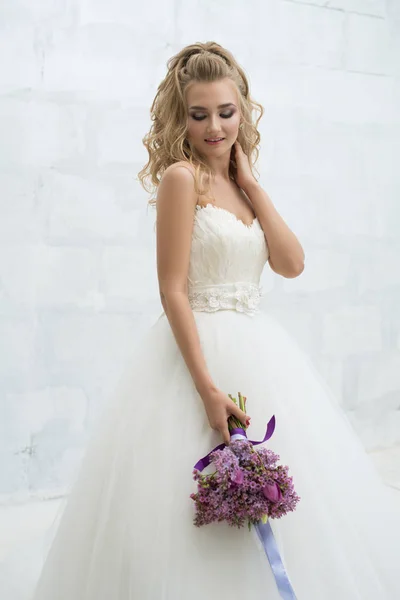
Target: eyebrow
[[220, 106]]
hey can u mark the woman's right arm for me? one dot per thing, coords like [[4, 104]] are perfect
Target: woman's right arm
[[176, 202]]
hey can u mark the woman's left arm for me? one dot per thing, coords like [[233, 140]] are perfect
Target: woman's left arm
[[286, 255]]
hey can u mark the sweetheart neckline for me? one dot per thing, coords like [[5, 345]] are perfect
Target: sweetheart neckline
[[248, 226]]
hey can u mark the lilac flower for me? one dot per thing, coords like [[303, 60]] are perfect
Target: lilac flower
[[238, 477], [246, 485]]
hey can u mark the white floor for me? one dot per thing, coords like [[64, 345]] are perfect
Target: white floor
[[19, 524], [23, 522]]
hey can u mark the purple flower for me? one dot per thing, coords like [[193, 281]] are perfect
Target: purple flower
[[237, 491], [238, 476], [272, 492]]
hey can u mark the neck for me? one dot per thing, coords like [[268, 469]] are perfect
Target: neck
[[220, 166]]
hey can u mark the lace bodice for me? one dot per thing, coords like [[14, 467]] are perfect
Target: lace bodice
[[226, 262]]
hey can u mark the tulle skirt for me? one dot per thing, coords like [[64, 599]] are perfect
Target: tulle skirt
[[126, 531]]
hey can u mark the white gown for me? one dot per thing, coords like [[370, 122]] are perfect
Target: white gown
[[127, 533]]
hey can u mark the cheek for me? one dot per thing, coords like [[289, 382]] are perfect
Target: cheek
[[194, 129], [232, 125]]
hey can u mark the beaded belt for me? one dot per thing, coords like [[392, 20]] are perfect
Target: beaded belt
[[241, 296]]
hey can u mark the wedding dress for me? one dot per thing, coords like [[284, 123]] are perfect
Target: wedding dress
[[127, 533]]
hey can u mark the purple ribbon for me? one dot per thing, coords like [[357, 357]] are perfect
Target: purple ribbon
[[205, 461], [270, 546]]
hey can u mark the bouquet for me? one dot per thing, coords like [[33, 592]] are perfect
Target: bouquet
[[246, 485]]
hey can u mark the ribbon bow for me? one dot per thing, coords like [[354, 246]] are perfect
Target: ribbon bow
[[237, 433]]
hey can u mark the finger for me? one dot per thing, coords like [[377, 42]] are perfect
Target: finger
[[225, 433], [241, 415]]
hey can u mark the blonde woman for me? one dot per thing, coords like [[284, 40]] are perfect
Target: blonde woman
[[127, 530]]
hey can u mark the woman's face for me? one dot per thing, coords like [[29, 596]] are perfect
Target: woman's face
[[213, 112]]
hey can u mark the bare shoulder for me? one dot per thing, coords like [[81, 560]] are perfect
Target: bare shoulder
[[176, 190], [181, 169]]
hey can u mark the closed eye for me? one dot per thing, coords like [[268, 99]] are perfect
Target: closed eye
[[201, 118]]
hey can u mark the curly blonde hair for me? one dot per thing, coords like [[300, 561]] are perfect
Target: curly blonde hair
[[166, 140]]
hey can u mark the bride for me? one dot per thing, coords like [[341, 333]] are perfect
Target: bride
[[127, 532]]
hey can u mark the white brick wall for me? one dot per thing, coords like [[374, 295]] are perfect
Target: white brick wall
[[76, 82]]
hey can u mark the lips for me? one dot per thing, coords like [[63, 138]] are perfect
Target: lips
[[214, 143]]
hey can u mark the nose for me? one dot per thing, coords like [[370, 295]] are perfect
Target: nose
[[213, 126]]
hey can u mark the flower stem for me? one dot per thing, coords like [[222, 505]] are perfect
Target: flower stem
[[233, 422]]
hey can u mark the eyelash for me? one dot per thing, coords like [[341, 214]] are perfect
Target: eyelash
[[225, 116]]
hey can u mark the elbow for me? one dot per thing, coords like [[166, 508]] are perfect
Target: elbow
[[296, 270], [289, 271], [296, 266]]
